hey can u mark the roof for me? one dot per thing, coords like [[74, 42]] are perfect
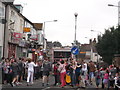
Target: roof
[[87, 47], [38, 26], [62, 49]]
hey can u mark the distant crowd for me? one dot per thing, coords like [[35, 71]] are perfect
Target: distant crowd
[[74, 73], [65, 72]]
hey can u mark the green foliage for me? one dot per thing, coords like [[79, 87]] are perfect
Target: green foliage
[[57, 44], [109, 44]]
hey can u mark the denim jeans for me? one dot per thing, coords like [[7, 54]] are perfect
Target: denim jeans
[[98, 81]]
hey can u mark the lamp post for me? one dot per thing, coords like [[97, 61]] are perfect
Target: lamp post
[[75, 48], [113, 5], [76, 14], [97, 31], [117, 52], [44, 40], [118, 6]]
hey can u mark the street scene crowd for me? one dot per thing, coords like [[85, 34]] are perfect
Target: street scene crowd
[[65, 71]]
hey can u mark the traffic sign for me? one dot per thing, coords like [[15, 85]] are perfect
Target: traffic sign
[[75, 50]]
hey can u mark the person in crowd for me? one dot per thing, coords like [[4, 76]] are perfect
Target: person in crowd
[[20, 72], [98, 77], [112, 72], [46, 71], [10, 74], [91, 71], [15, 70], [62, 71], [102, 70], [68, 74], [6, 70], [84, 73], [73, 74], [2, 65], [56, 73], [26, 68], [5, 65], [77, 71], [36, 72], [24, 75], [41, 69], [30, 66], [106, 79], [117, 81]]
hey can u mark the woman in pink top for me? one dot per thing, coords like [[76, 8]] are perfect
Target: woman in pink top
[[62, 71], [106, 79]]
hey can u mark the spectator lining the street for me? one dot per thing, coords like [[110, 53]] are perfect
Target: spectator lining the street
[[15, 70], [91, 71], [46, 71], [106, 79], [98, 76], [62, 71]]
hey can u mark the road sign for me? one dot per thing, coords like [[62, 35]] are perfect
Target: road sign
[[74, 50]]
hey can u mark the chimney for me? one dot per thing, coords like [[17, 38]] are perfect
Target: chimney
[[19, 7], [90, 41], [94, 41]]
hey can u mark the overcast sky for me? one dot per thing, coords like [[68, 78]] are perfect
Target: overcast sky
[[92, 15]]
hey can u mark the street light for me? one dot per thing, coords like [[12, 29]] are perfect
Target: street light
[[113, 5], [44, 40], [44, 26], [118, 6], [76, 14], [75, 47], [97, 31]]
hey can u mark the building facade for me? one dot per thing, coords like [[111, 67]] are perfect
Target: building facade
[[2, 22], [13, 31], [19, 37]]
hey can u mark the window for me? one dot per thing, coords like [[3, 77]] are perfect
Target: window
[[0, 52], [2, 14]]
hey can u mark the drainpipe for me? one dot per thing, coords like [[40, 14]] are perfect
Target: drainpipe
[[4, 29]]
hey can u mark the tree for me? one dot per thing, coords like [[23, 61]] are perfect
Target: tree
[[109, 44], [57, 44]]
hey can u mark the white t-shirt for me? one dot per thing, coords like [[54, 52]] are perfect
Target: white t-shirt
[[84, 67], [116, 78]]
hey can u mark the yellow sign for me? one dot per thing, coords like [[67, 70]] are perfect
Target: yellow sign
[[26, 29], [82, 52]]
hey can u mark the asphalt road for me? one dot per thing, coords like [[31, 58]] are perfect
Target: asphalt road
[[38, 86]]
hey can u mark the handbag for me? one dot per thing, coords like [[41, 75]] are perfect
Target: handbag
[[68, 78], [79, 78]]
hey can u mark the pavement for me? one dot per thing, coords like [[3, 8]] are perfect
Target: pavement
[[37, 85]]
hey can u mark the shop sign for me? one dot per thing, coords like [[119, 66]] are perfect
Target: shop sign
[[34, 37], [26, 29], [17, 35]]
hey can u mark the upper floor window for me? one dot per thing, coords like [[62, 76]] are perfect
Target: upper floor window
[[12, 14], [2, 14]]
